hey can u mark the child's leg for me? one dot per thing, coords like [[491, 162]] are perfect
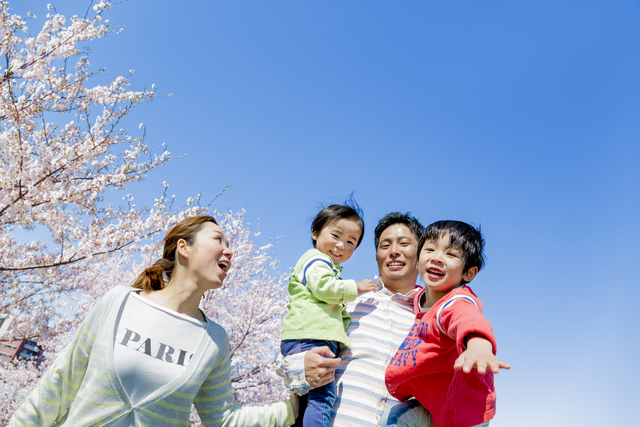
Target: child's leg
[[320, 406], [410, 414], [406, 414], [318, 409]]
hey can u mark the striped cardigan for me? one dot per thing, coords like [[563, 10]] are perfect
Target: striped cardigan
[[81, 388]]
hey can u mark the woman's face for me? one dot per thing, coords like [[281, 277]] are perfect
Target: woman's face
[[209, 258]]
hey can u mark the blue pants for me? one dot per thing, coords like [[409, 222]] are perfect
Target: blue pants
[[319, 407], [410, 413], [392, 416]]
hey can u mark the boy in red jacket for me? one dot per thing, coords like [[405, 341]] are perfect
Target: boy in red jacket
[[449, 338]]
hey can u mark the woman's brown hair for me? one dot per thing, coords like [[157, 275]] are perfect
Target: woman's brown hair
[[151, 278]]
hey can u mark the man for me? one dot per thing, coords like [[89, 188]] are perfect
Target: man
[[380, 322]]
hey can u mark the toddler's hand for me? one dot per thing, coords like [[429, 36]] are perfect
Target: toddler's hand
[[366, 286]]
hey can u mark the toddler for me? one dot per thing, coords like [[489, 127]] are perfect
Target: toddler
[[317, 315]]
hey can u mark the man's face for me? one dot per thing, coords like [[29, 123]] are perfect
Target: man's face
[[396, 254]]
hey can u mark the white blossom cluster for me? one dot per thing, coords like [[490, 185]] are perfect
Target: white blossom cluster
[[53, 174]]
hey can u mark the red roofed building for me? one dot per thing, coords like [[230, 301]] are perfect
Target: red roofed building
[[12, 351]]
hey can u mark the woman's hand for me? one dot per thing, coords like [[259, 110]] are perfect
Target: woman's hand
[[295, 403], [319, 370]]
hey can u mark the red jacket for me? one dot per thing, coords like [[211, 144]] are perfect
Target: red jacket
[[423, 365]]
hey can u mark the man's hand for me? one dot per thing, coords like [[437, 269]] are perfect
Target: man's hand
[[319, 370], [479, 355], [366, 286]]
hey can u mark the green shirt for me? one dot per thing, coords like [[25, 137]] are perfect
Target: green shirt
[[316, 300]]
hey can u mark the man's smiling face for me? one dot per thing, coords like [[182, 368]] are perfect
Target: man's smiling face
[[396, 255]]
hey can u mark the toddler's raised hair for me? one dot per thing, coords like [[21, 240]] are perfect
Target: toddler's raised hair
[[332, 213]]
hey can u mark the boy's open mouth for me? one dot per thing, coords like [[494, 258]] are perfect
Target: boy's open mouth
[[435, 272]]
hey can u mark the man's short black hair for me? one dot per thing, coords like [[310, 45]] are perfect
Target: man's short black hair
[[329, 214], [398, 218], [462, 236]]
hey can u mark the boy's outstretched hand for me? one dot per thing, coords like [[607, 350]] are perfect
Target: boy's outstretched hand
[[366, 286], [479, 355]]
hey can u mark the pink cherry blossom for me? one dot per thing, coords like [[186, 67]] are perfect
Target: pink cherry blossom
[[61, 148]]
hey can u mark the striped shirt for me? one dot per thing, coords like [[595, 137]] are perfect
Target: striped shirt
[[380, 323]]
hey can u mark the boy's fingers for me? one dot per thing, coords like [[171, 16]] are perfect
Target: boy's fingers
[[457, 365], [496, 365], [491, 365], [468, 365], [503, 365]]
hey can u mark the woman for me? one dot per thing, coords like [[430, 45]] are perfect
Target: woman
[[143, 355]]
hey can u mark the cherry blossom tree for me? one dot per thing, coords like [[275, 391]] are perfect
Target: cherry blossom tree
[[61, 148]]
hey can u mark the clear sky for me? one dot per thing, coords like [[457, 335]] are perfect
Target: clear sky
[[523, 117]]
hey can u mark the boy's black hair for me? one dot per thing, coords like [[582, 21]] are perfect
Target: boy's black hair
[[332, 213], [398, 218], [462, 236]]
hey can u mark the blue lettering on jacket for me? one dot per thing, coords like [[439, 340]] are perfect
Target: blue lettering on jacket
[[408, 351]]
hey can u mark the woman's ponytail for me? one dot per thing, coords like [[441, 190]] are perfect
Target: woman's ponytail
[[153, 278]]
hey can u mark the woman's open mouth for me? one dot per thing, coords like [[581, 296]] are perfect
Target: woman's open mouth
[[224, 265]]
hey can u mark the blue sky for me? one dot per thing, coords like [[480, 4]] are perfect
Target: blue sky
[[518, 116]]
